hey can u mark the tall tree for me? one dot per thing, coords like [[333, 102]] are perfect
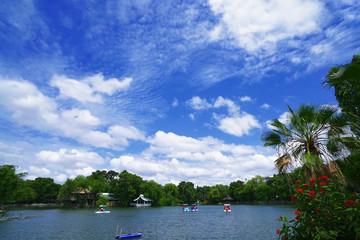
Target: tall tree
[[9, 181], [129, 186], [346, 81], [313, 137]]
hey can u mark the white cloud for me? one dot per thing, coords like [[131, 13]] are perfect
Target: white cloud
[[246, 99], [204, 161], [199, 104], [238, 125], [65, 163], [260, 24], [73, 173], [192, 116], [27, 104], [89, 89], [232, 107], [123, 133], [265, 106], [175, 103], [70, 157], [31, 108]]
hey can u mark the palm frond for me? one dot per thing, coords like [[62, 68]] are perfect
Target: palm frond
[[284, 163]]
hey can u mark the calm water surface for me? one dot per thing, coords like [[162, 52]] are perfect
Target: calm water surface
[[170, 223]]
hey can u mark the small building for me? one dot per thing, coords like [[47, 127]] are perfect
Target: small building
[[141, 201], [227, 199]]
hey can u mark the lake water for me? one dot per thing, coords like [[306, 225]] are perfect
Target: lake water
[[170, 223]]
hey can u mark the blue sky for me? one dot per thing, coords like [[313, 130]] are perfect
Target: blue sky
[[168, 90]]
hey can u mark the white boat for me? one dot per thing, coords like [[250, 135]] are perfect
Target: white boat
[[103, 209], [227, 208], [106, 211]]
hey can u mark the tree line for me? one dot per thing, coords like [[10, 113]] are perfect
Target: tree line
[[127, 186]]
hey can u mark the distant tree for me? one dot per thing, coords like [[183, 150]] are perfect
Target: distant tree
[[9, 182], [24, 193], [154, 191], [264, 192], [128, 186], [187, 192], [203, 193], [235, 187], [214, 195], [46, 189], [223, 190], [171, 189]]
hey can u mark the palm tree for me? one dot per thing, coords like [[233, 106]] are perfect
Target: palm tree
[[313, 137]]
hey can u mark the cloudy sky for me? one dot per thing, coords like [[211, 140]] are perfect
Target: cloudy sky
[[168, 90]]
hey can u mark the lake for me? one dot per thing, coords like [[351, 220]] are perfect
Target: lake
[[170, 223]]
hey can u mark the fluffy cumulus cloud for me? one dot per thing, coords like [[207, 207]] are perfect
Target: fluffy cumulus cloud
[[238, 125], [198, 103], [89, 89], [65, 163], [236, 122], [260, 24], [28, 106], [204, 161]]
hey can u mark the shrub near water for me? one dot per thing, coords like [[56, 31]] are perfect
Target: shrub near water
[[324, 210]]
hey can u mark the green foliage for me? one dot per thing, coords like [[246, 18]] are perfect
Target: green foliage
[[9, 182], [46, 190], [128, 186], [102, 201], [346, 81], [155, 192], [214, 195], [187, 192], [313, 137], [325, 210]]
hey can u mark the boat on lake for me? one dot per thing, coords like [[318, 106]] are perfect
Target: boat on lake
[[103, 209], [121, 235], [227, 208], [186, 208], [194, 208]]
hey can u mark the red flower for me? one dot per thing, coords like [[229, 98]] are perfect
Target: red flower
[[312, 192], [277, 231], [311, 195], [318, 210], [306, 185], [314, 227], [350, 203], [299, 190], [294, 198], [297, 217], [298, 181], [312, 180], [325, 178], [281, 217], [297, 212]]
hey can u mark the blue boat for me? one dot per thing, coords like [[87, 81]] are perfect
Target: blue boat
[[130, 235], [126, 236]]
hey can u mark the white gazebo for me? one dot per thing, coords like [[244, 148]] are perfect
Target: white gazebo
[[141, 201]]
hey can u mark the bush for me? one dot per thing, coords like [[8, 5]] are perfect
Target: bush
[[324, 210]]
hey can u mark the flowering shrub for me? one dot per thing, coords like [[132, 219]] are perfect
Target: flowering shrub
[[324, 210]]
